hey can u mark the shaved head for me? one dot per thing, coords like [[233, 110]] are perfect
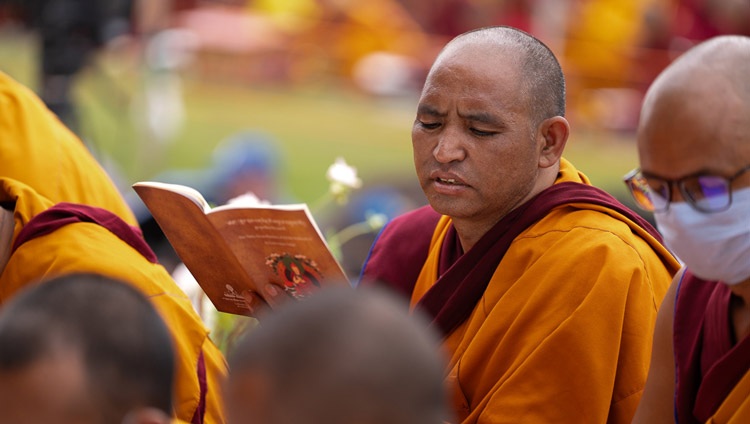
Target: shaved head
[[719, 67], [721, 61], [696, 114], [540, 74]]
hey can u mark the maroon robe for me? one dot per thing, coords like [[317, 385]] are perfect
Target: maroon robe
[[708, 361]]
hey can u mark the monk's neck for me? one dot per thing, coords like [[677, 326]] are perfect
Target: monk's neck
[[469, 233], [7, 225]]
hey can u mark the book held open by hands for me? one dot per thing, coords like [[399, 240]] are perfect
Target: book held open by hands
[[240, 246]]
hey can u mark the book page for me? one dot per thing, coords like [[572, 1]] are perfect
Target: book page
[[199, 245], [194, 195], [279, 245]]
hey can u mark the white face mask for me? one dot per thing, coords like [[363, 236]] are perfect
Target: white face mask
[[714, 246]]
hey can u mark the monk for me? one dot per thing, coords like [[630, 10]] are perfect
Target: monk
[[694, 151], [544, 288], [40, 240], [61, 214]]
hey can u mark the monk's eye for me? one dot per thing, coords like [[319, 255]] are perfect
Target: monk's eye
[[482, 133], [428, 125]]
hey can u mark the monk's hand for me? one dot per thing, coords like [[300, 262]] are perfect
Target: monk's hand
[[259, 305]]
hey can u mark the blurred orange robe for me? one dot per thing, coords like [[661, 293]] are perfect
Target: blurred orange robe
[[92, 248], [562, 332], [40, 151]]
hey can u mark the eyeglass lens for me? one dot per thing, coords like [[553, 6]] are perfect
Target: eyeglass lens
[[705, 192]]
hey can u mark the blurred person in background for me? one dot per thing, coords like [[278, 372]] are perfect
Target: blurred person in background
[[70, 32], [698, 20], [84, 349]]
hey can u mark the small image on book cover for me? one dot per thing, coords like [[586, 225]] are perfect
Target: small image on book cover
[[299, 273]]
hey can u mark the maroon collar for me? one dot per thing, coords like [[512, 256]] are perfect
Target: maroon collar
[[399, 253], [66, 213], [452, 298]]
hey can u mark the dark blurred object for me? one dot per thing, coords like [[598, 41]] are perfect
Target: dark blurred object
[[698, 20], [70, 31]]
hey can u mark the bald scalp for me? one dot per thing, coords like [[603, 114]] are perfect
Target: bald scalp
[[719, 66], [698, 110], [540, 74]]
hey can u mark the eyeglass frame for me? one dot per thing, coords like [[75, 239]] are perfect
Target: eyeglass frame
[[630, 176]]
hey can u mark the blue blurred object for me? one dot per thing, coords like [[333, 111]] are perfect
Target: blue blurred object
[[248, 161]]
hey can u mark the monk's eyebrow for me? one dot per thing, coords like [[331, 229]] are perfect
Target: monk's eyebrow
[[482, 117], [429, 111]]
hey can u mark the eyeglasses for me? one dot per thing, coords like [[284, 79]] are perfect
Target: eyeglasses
[[704, 192]]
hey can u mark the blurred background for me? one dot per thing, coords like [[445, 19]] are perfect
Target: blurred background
[[264, 95]]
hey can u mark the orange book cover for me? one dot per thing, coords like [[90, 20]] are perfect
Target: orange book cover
[[238, 247]]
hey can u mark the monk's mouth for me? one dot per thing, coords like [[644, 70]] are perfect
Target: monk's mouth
[[449, 181]]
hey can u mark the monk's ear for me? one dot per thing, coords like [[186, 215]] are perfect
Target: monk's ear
[[553, 134]]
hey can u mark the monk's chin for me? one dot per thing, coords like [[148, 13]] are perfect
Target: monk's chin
[[447, 206]]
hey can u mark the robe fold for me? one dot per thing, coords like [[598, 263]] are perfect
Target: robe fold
[[712, 370], [51, 241], [558, 323]]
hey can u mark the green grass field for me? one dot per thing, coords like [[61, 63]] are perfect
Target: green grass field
[[312, 125]]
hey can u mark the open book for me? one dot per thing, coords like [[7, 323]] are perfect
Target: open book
[[237, 247]]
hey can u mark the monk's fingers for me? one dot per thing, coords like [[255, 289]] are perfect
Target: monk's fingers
[[275, 296], [256, 306]]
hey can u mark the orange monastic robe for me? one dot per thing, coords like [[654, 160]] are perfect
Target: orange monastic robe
[[40, 151], [562, 333], [89, 247]]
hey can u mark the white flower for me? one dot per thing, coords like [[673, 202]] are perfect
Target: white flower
[[376, 221], [343, 179]]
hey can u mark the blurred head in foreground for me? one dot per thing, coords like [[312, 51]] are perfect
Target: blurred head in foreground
[[84, 349], [341, 356]]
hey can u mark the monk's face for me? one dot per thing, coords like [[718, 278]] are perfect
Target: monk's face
[[51, 390], [473, 137]]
